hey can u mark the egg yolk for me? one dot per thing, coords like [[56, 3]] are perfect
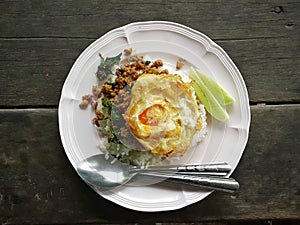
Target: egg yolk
[[153, 115]]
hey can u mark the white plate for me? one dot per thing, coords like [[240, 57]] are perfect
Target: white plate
[[225, 142]]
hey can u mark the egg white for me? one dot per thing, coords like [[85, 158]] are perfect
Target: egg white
[[164, 114]]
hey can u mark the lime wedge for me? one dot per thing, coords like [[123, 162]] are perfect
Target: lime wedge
[[211, 95], [220, 94]]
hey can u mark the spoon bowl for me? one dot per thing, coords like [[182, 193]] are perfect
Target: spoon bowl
[[104, 171]]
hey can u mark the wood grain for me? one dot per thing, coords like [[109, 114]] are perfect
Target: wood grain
[[40, 40], [91, 19], [36, 176], [38, 67]]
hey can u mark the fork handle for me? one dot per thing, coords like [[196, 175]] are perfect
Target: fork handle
[[196, 168], [212, 183]]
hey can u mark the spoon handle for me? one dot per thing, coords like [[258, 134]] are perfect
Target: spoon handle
[[193, 169], [212, 183]]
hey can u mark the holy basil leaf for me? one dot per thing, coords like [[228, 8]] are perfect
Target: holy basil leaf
[[106, 66]]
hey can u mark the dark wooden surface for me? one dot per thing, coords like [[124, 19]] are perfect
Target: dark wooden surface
[[39, 42]]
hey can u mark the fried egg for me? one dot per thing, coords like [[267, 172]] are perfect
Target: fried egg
[[163, 114]]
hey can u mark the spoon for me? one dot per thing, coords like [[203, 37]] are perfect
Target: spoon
[[107, 172]]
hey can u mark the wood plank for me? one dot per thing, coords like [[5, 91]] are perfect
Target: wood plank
[[220, 20], [33, 70], [38, 184], [270, 67]]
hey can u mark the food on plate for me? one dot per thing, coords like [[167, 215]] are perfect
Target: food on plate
[[165, 118], [211, 94], [145, 113], [86, 100], [180, 64]]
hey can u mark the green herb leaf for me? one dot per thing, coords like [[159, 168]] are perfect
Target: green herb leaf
[[113, 84], [107, 104], [106, 66], [121, 70]]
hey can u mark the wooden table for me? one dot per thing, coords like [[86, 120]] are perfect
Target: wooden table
[[40, 41]]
